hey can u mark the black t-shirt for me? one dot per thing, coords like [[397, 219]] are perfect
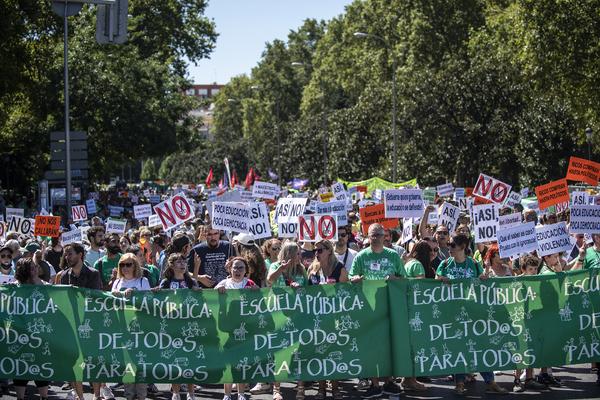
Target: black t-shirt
[[173, 283], [212, 260], [53, 257]]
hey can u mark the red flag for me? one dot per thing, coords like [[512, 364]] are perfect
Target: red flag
[[209, 178], [220, 183], [234, 179], [249, 178]]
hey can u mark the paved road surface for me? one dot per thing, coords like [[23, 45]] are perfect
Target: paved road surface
[[579, 383]]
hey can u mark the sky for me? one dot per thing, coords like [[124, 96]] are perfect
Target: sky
[[245, 26]]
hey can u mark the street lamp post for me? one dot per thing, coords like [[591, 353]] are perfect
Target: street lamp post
[[323, 125], [588, 135], [394, 109]]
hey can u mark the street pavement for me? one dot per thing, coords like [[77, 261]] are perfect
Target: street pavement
[[578, 383]]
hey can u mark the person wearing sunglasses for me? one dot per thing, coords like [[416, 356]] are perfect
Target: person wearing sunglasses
[[344, 254], [377, 262], [270, 250], [460, 266]]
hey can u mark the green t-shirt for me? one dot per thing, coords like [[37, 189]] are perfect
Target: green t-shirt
[[453, 270], [280, 281], [107, 267], [154, 275], [592, 258], [413, 268], [375, 266]]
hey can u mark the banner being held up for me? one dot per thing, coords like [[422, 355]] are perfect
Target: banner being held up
[[174, 211], [234, 217], [585, 219], [485, 219], [403, 203], [375, 214], [552, 239], [517, 240], [582, 170], [315, 227], [448, 216], [47, 226], [491, 189], [265, 190], [552, 193]]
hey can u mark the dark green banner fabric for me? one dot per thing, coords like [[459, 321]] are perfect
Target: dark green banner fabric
[[401, 328], [66, 333]]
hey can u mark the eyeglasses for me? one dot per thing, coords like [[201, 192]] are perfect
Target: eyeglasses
[[435, 250], [442, 232], [452, 244], [342, 234], [5, 256], [275, 248], [238, 267], [126, 265], [320, 250]]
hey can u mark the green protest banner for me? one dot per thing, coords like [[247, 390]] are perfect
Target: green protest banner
[[343, 331], [496, 324], [67, 333]]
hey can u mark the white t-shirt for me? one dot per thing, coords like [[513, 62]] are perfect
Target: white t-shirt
[[229, 283], [91, 256], [136, 283], [349, 259]]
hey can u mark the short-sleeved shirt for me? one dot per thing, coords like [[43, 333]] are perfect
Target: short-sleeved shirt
[[281, 279], [375, 266], [347, 258], [414, 268], [453, 270], [91, 256], [212, 259], [153, 274], [592, 258], [121, 284], [108, 264], [177, 284], [229, 283]]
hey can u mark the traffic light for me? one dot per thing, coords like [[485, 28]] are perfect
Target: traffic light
[[111, 22]]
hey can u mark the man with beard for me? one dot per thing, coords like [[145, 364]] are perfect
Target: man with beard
[[95, 251], [109, 262], [213, 254], [78, 274]]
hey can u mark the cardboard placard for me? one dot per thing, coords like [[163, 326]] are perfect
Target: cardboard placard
[[552, 239], [338, 191], [142, 211], [259, 227], [79, 213], [14, 212], [287, 212], [517, 240], [513, 199], [325, 197], [116, 211], [445, 190], [485, 220], [115, 226], [585, 219], [337, 208], [21, 225], [552, 193], [316, 227], [154, 220], [509, 220], [407, 230], [74, 236], [47, 226], [174, 211], [448, 216], [491, 189], [375, 214], [234, 217], [403, 203], [580, 198], [265, 190], [154, 199], [582, 170], [91, 206]]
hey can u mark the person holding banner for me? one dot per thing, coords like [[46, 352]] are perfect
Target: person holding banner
[[592, 254], [494, 267], [270, 250], [418, 265], [27, 273], [287, 271], [377, 262], [344, 253], [108, 263], [460, 266], [213, 255], [326, 269]]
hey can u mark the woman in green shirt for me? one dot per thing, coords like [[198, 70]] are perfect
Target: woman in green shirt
[[270, 250], [418, 265], [551, 264]]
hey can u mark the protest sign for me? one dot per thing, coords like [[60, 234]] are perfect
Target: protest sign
[[485, 220], [265, 190], [287, 211], [154, 199], [552, 239], [525, 192], [47, 226], [378, 194], [561, 207], [519, 239], [73, 236], [116, 211], [338, 191], [316, 227], [513, 199], [2, 229], [337, 208], [259, 226], [174, 211], [579, 198], [582, 170], [246, 195], [445, 190], [142, 211], [79, 213], [429, 195], [325, 197], [375, 214], [115, 226], [403, 203], [134, 199], [448, 216], [154, 220], [432, 218], [552, 193], [91, 206], [21, 225], [466, 203], [509, 220], [234, 217], [459, 193], [585, 219], [407, 230], [491, 189], [14, 212]]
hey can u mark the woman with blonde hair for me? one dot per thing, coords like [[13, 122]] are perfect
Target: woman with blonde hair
[[326, 269], [270, 251], [130, 276]]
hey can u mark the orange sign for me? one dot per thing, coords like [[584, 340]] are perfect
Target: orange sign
[[552, 193], [46, 225], [581, 170], [375, 214]]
